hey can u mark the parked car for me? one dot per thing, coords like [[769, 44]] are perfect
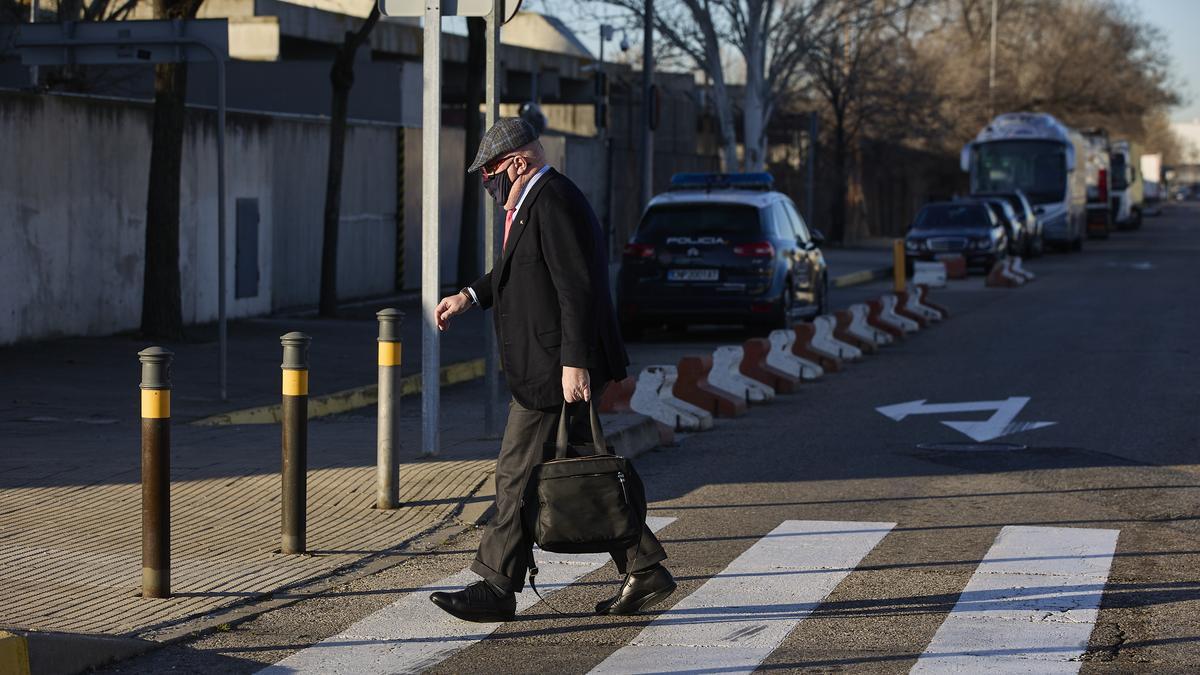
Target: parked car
[[721, 248], [1014, 226], [1035, 239], [966, 228]]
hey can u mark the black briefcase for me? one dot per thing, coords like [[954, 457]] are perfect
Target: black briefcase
[[589, 504]]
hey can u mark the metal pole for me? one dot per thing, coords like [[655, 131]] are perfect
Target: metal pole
[[810, 207], [491, 376], [295, 441], [33, 70], [992, 68], [647, 104], [431, 127], [387, 487], [156, 472], [222, 328]]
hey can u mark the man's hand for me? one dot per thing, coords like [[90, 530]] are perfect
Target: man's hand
[[577, 384], [452, 305]]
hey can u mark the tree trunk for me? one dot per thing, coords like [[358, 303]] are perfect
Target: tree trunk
[[162, 307], [754, 106], [341, 76], [838, 205], [721, 100], [468, 246]]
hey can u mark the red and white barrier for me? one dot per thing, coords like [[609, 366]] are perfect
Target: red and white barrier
[[845, 318], [929, 273], [905, 311], [1002, 276], [888, 315], [754, 366], [617, 395], [654, 398], [861, 327], [825, 343], [727, 375], [923, 294], [1017, 266], [956, 267], [693, 387], [782, 358], [803, 348], [912, 302]]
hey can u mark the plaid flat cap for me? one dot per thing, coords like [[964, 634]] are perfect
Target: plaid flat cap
[[506, 135]]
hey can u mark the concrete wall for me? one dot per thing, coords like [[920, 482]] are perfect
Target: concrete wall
[[73, 202]]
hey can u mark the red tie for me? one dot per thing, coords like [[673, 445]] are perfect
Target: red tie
[[507, 226]]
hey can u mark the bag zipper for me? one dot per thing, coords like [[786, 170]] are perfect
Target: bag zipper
[[621, 477]]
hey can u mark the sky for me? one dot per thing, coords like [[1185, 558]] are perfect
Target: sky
[[1180, 21]]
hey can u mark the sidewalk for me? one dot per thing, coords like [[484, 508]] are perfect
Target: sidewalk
[[70, 512]]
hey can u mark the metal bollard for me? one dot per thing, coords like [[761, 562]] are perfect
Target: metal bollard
[[295, 440], [387, 479], [899, 269], [156, 472]]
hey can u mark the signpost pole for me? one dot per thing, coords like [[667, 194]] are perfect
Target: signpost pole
[[431, 126], [223, 357], [491, 376]]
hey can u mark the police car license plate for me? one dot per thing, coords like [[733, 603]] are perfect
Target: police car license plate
[[692, 275]]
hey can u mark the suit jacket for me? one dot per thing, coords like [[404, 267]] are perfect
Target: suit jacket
[[550, 295]]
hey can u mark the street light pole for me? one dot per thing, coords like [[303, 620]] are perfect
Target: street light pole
[[992, 68], [648, 104]]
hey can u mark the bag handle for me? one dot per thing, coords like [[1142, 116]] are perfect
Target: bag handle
[[561, 440]]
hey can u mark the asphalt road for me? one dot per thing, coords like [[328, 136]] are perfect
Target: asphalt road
[[815, 533]]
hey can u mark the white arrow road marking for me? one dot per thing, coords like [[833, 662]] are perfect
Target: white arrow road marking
[[1001, 423], [412, 634], [737, 618], [1029, 607]]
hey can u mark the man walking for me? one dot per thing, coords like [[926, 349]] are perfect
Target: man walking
[[559, 342]]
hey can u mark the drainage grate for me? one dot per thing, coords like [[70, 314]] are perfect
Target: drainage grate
[[972, 447]]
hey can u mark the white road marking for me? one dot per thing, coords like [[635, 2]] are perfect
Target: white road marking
[[737, 618], [1029, 607], [412, 634], [1001, 423]]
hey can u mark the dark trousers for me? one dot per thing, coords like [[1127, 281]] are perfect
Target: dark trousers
[[505, 551]]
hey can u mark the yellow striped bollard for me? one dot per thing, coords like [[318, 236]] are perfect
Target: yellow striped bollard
[[899, 265], [295, 441], [387, 479], [156, 472]]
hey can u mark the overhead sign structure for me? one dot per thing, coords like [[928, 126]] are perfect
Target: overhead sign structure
[[448, 8], [146, 42], [1001, 423]]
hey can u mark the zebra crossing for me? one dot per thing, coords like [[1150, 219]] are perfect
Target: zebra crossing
[[1030, 605]]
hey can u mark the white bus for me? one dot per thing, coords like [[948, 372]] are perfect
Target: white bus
[[1037, 154]]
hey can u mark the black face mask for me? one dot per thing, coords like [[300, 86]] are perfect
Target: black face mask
[[498, 186]]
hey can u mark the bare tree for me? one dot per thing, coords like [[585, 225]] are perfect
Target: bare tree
[[769, 37], [341, 76]]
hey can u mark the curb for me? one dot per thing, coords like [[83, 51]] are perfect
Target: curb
[[345, 400], [861, 277], [53, 653]]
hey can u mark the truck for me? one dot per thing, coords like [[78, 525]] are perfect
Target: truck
[[1099, 183], [1127, 185], [1042, 157]]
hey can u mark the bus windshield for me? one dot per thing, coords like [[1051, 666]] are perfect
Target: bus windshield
[[1038, 168]]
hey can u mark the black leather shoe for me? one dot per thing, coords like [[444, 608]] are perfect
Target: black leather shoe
[[642, 590], [480, 602]]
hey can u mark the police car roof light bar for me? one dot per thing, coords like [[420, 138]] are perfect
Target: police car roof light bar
[[760, 180]]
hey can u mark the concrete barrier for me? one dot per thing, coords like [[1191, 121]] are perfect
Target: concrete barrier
[[929, 273], [956, 267], [861, 327], [876, 321], [727, 374], [912, 302], [754, 366], [923, 294], [666, 393], [1018, 267], [617, 396], [845, 318], [782, 358], [825, 342], [802, 347], [907, 312], [889, 317], [693, 387], [647, 400]]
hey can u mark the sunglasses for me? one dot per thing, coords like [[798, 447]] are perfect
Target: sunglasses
[[495, 168]]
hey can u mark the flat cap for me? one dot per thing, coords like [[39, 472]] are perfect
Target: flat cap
[[506, 135]]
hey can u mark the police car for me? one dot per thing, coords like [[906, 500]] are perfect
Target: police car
[[721, 248]]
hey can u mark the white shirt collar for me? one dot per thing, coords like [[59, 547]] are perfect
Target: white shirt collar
[[528, 185]]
